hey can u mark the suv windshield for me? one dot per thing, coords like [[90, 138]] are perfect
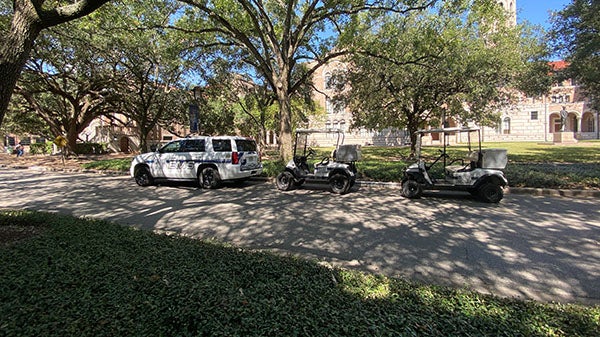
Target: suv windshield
[[245, 145]]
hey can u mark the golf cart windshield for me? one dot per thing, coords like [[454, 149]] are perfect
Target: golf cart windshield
[[462, 135], [303, 140]]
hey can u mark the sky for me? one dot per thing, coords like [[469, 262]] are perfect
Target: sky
[[537, 12]]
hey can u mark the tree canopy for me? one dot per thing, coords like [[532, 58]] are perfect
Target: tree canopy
[[576, 37], [460, 60], [20, 25], [271, 39]]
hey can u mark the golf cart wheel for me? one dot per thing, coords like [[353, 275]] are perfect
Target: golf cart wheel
[[411, 189], [339, 183], [490, 192], [209, 178], [285, 181], [143, 177]]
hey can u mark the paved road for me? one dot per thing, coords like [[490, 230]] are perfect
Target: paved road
[[541, 248]]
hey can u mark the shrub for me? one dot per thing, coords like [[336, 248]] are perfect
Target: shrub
[[41, 148], [90, 148]]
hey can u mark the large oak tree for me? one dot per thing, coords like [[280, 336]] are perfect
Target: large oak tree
[[273, 38], [21, 25]]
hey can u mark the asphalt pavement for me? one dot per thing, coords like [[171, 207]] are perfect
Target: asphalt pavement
[[531, 247]]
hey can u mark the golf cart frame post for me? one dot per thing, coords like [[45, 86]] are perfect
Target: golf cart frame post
[[479, 173]]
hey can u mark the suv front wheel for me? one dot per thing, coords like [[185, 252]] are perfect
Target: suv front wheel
[[209, 178]]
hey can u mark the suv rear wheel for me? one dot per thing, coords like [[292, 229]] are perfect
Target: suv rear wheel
[[209, 178]]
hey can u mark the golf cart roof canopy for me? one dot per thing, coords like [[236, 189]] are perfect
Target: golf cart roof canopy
[[447, 130], [319, 131]]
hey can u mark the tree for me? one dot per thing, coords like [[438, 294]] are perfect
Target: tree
[[576, 37], [272, 38], [17, 35], [454, 61], [64, 84], [151, 90]]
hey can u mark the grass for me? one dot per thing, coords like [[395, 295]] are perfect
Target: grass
[[94, 278], [120, 164]]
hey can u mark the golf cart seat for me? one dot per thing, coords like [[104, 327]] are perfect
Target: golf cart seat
[[470, 162], [322, 164]]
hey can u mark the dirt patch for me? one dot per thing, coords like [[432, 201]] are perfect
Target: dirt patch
[[54, 162], [10, 234]]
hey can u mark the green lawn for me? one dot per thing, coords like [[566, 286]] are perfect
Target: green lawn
[[79, 277]]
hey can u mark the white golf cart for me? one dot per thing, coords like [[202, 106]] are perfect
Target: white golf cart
[[479, 172], [339, 170]]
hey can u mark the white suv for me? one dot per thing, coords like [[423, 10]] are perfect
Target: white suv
[[209, 160]]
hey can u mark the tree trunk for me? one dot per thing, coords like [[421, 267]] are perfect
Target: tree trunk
[[15, 48], [72, 136], [285, 125]]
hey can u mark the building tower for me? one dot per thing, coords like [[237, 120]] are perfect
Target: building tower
[[510, 6]]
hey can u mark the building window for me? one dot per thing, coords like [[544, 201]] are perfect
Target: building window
[[167, 138], [567, 99], [534, 115], [332, 107], [327, 80], [506, 126]]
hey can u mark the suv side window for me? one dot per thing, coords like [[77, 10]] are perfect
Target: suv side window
[[192, 145], [244, 145], [221, 145], [171, 147]]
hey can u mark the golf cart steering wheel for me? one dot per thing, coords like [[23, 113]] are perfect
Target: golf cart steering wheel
[[324, 161], [311, 152]]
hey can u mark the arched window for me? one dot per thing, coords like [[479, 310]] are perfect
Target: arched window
[[587, 122], [506, 126]]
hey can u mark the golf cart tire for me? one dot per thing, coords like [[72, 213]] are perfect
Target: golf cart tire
[[411, 189], [339, 183], [284, 181], [209, 178], [491, 193]]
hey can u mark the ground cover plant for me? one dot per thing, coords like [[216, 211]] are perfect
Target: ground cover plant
[[93, 278], [117, 164]]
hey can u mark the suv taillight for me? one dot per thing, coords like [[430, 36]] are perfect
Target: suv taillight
[[235, 158]]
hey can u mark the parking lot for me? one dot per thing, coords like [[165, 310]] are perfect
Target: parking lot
[[541, 248]]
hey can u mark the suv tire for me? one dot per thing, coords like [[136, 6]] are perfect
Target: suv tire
[[143, 177], [209, 178]]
